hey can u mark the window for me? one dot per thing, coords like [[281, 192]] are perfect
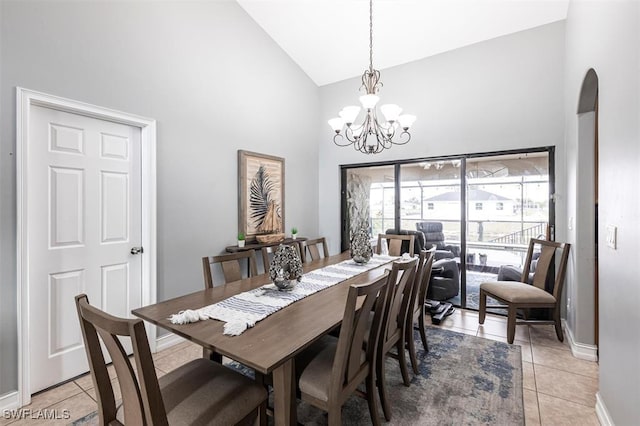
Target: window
[[478, 206], [499, 206], [429, 206]]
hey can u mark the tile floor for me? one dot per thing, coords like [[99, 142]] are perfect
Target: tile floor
[[558, 388]]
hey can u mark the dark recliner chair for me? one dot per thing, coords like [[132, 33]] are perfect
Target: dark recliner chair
[[445, 280], [433, 236], [445, 276]]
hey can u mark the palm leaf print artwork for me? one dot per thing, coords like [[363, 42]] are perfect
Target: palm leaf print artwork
[[264, 210]]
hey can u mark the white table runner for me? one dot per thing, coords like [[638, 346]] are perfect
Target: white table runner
[[244, 310]]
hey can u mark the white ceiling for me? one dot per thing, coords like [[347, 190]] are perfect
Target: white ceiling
[[329, 39]]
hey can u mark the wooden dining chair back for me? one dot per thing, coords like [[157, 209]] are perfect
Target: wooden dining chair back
[[394, 243], [417, 310], [268, 252], [393, 332], [522, 295], [309, 249], [231, 265], [336, 371], [231, 398]]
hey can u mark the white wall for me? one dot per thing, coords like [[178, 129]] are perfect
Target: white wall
[[505, 93], [605, 36], [215, 82]]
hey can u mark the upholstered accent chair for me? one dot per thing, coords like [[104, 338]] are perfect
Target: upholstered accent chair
[[198, 392], [522, 295]]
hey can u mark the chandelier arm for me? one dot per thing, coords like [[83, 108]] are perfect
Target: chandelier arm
[[402, 135], [337, 137]]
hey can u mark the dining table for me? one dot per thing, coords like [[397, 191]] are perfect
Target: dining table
[[270, 347]]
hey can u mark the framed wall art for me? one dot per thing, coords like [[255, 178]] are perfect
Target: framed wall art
[[260, 194]]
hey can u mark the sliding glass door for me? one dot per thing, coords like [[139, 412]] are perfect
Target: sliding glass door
[[480, 208], [507, 205]]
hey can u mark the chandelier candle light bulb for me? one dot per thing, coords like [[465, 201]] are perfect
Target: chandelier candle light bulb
[[381, 133]]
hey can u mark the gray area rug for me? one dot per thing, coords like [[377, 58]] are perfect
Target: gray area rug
[[463, 380]]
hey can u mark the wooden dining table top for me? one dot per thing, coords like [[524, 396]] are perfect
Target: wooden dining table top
[[276, 338]]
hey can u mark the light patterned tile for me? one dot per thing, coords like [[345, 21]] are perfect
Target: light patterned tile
[[563, 360], [464, 319], [178, 358], [499, 328], [528, 376], [171, 349], [545, 335], [531, 410], [456, 329], [556, 411], [568, 386], [53, 396], [85, 382], [61, 413]]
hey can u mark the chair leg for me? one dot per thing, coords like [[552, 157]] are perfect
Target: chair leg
[[382, 387], [335, 416], [262, 414], [411, 346], [511, 323], [403, 360], [371, 398], [558, 324], [423, 333], [483, 306]]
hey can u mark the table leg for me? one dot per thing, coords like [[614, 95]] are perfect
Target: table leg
[[284, 397]]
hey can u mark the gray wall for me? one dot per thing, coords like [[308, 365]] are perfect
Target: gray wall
[[215, 82], [505, 93], [605, 36]]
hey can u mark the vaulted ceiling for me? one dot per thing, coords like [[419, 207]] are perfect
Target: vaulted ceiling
[[329, 39]]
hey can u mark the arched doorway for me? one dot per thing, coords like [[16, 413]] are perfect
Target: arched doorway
[[587, 191]]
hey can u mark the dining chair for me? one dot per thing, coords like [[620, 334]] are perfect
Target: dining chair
[[522, 295], [231, 266], [331, 369], [198, 392], [394, 243], [416, 303], [309, 249], [267, 254], [393, 333]]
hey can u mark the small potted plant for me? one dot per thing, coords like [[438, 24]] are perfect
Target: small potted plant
[[294, 232], [241, 239]]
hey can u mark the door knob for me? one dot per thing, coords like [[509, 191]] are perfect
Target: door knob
[[136, 250]]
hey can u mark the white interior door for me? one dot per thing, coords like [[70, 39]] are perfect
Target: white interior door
[[84, 217]]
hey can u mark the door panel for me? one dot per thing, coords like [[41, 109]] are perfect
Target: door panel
[[84, 216]]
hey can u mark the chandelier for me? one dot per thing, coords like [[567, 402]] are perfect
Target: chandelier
[[371, 136]]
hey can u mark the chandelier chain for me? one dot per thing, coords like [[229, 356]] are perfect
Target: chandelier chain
[[371, 35]]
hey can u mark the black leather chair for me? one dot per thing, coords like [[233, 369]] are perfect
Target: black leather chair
[[433, 236], [445, 280]]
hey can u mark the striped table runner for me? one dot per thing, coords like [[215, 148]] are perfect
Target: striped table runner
[[244, 310]]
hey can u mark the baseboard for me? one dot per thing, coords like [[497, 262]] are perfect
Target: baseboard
[[580, 350], [8, 401], [601, 411], [168, 340]]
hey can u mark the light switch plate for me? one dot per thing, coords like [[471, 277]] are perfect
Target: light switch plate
[[612, 237]]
